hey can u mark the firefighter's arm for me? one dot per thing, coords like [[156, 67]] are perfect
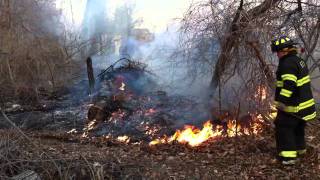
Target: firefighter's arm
[[289, 77]]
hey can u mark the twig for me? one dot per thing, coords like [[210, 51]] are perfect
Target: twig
[[27, 138], [89, 165]]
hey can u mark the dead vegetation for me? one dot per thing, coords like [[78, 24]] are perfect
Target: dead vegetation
[[34, 51], [228, 158], [231, 39], [224, 43]]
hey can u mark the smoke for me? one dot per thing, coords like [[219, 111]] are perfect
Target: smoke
[[115, 30], [94, 21]]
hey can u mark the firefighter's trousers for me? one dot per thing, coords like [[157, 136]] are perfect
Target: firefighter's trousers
[[290, 135]]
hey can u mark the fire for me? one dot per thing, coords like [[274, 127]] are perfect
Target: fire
[[261, 93], [124, 139], [191, 135], [195, 137]]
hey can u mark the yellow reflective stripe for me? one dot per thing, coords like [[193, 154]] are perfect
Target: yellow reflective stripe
[[287, 39], [285, 93], [310, 117], [295, 109], [306, 104], [289, 77], [277, 43], [283, 41], [291, 109], [279, 83], [290, 154], [303, 80]]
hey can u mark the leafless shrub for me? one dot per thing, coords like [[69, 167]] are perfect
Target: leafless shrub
[[34, 51], [229, 40]]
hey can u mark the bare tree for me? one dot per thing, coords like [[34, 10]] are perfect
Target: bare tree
[[239, 33], [33, 43]]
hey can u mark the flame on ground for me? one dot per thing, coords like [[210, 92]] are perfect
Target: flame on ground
[[124, 139], [195, 137], [261, 93]]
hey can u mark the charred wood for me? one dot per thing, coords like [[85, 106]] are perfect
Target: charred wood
[[90, 74]]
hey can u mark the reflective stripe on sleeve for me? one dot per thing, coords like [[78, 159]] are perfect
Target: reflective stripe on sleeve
[[306, 104], [285, 92], [279, 83], [291, 109], [295, 109], [299, 82], [304, 80], [289, 77], [310, 117]]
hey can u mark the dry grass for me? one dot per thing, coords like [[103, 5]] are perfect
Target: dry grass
[[228, 158]]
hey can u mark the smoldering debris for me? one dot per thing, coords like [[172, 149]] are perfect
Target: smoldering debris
[[126, 104], [128, 101]]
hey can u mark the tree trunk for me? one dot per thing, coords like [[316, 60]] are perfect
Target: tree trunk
[[263, 65], [90, 75]]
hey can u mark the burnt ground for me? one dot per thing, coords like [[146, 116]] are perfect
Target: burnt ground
[[54, 155], [41, 143]]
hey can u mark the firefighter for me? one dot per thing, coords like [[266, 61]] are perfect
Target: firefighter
[[293, 99]]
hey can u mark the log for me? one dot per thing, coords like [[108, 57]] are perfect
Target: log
[[103, 109]]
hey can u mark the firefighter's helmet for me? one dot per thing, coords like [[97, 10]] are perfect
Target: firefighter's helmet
[[282, 43]]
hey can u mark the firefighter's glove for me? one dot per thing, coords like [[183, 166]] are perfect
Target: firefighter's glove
[[281, 107]]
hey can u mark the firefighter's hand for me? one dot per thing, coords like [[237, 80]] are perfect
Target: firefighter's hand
[[281, 107]]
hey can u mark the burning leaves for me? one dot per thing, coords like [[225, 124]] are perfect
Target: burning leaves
[[149, 121], [190, 135], [143, 115], [194, 137], [261, 93], [124, 139]]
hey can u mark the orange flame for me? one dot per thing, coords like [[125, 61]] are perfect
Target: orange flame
[[195, 137], [261, 93], [191, 135]]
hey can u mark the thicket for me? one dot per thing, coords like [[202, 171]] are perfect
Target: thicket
[[36, 50]]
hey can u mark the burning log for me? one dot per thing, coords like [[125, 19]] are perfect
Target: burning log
[[103, 109], [97, 113]]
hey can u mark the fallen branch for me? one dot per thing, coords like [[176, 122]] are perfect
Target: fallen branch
[[29, 140]]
